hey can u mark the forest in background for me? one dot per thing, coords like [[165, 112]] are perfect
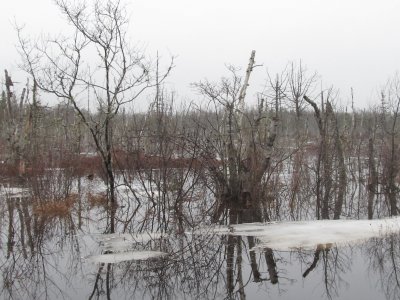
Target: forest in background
[[296, 154]]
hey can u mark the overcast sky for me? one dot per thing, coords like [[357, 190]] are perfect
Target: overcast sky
[[350, 43]]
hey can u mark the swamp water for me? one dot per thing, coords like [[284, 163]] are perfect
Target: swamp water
[[49, 253], [211, 263]]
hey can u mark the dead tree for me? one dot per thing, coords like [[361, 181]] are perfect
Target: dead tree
[[244, 144], [372, 173], [320, 159], [341, 165], [15, 122], [300, 83], [389, 123], [330, 145]]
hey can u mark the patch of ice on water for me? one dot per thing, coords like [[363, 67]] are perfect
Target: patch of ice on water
[[112, 258], [121, 247], [311, 234]]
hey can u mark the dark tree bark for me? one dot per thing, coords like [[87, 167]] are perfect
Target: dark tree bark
[[373, 177]]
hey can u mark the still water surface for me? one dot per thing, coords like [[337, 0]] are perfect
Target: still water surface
[[56, 260]]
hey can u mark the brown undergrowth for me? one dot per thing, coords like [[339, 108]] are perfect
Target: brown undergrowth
[[60, 208], [97, 200]]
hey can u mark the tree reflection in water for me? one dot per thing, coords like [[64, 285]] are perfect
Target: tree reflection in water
[[37, 247], [384, 257], [43, 258], [333, 263]]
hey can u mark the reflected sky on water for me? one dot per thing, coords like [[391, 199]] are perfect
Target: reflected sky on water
[[50, 258]]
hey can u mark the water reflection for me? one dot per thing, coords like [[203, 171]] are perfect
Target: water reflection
[[36, 248], [384, 258], [47, 257]]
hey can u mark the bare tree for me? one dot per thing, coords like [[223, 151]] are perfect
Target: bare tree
[[341, 165], [244, 142], [15, 118], [389, 123], [95, 67], [330, 145], [372, 172], [300, 83]]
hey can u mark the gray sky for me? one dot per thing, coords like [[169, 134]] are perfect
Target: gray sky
[[350, 43]]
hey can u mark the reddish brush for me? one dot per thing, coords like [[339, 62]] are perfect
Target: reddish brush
[[97, 200], [55, 208]]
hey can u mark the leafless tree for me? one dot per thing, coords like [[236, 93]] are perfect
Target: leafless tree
[[330, 145], [95, 67], [16, 123], [244, 143], [390, 99], [300, 83]]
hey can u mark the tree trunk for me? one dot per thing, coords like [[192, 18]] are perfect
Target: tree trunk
[[341, 166], [373, 177]]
